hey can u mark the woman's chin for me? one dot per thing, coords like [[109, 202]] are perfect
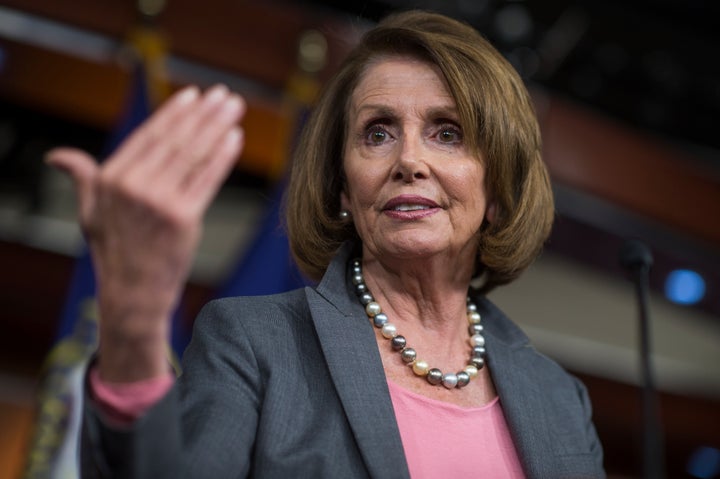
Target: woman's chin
[[412, 248]]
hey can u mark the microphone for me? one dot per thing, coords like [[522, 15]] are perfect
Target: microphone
[[634, 254], [636, 257]]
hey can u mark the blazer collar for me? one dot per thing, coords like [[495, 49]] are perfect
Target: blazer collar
[[348, 343]]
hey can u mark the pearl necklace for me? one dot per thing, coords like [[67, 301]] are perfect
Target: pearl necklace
[[398, 343]]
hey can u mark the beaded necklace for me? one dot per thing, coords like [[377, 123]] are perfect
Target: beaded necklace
[[409, 356]]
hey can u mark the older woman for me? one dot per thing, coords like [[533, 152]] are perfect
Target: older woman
[[417, 187]]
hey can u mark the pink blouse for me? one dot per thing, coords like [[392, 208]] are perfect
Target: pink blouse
[[440, 439], [445, 440]]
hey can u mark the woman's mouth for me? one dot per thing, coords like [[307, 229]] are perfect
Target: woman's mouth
[[410, 207]]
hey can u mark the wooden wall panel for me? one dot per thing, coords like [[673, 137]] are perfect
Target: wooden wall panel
[[94, 94], [254, 39], [592, 153], [257, 42], [62, 85]]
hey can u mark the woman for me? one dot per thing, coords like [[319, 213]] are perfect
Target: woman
[[418, 175]]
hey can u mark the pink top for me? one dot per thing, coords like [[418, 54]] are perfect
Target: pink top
[[440, 439], [445, 440]]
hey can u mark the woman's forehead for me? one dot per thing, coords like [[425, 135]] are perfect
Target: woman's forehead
[[400, 82]]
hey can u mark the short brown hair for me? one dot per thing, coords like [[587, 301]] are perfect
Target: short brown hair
[[498, 122]]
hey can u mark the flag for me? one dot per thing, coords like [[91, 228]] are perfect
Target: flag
[[53, 452], [267, 266]]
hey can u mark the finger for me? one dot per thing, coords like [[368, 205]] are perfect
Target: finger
[[177, 150], [134, 149], [215, 125], [82, 168], [201, 187], [209, 130]]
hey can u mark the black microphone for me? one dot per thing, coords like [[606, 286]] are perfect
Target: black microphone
[[634, 254], [636, 257]]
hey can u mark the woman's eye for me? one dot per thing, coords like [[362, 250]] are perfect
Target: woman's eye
[[449, 135], [377, 135]]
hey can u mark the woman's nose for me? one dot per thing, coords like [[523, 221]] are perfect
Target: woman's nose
[[411, 161]]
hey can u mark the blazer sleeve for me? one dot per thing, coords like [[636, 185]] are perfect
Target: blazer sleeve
[[188, 432]]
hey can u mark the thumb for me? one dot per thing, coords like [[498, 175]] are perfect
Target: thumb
[[81, 167]]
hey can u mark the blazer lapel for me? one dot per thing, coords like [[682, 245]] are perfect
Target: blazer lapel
[[521, 401], [348, 343], [520, 392]]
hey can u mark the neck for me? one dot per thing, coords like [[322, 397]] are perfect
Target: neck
[[444, 334], [429, 293]]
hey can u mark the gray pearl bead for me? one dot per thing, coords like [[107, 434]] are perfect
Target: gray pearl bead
[[357, 278], [360, 288], [366, 298], [471, 306], [478, 362], [475, 329], [380, 319], [463, 379], [398, 342], [408, 355], [434, 376], [478, 351]]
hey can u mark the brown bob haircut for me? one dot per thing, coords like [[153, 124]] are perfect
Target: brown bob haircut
[[498, 122]]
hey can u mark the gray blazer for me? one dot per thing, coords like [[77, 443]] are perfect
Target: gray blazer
[[292, 386]]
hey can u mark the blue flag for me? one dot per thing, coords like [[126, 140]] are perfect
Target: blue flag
[[267, 266]]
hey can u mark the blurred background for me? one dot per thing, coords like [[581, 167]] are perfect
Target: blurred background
[[628, 96]]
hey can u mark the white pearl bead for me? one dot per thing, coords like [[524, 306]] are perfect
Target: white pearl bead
[[477, 340], [473, 317], [449, 380], [372, 309], [471, 370], [389, 330]]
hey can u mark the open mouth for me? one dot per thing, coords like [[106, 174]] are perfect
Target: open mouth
[[410, 207], [408, 203]]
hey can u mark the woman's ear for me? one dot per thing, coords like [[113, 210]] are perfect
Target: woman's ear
[[344, 201], [491, 212]]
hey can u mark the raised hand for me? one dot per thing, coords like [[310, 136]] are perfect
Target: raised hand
[[142, 210]]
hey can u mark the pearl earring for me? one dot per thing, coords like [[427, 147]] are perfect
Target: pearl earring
[[344, 214]]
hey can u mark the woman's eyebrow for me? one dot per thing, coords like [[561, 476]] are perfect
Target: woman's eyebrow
[[376, 110], [447, 112]]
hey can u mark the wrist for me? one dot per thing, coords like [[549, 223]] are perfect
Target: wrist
[[127, 354]]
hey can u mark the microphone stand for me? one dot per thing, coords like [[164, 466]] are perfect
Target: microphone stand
[[636, 257]]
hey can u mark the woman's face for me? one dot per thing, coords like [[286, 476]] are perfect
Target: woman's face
[[413, 187]]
